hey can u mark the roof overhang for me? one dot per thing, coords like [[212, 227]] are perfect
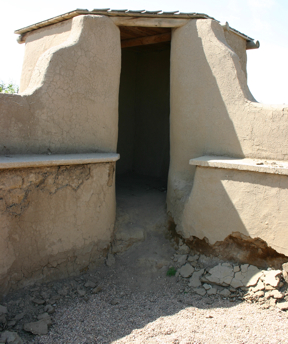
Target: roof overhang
[[250, 42]]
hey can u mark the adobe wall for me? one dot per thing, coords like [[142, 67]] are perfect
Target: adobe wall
[[223, 202], [214, 113], [71, 104], [238, 45], [39, 41], [54, 221]]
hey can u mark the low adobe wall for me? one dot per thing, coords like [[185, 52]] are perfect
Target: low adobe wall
[[244, 200], [56, 219]]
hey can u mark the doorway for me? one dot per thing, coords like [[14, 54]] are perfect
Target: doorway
[[144, 105], [143, 138]]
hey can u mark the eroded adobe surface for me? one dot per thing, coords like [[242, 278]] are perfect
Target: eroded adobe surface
[[55, 221]]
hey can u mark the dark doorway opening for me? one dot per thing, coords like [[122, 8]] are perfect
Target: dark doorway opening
[[144, 104]]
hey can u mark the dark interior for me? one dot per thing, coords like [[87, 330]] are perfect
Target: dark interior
[[144, 97]]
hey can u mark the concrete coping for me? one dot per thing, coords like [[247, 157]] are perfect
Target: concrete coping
[[253, 165], [39, 160]]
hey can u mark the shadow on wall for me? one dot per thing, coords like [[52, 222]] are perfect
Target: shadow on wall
[[200, 121], [234, 212]]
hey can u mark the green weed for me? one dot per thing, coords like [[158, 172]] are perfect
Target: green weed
[[171, 271]]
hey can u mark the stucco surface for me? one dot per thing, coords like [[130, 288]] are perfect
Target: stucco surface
[[226, 201], [71, 104], [54, 221], [39, 41], [238, 45], [213, 112]]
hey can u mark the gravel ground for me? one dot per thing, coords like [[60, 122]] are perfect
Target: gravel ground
[[123, 313], [137, 303]]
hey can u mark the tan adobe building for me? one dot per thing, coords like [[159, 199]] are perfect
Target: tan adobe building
[[168, 93]]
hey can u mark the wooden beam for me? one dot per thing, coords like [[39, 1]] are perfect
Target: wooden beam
[[163, 37], [149, 22]]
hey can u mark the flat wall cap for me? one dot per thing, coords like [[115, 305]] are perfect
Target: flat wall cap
[[246, 164], [122, 13], [40, 160]]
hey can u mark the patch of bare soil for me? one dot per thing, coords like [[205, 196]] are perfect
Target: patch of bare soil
[[132, 300]]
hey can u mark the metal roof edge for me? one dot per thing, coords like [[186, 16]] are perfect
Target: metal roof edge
[[251, 43]]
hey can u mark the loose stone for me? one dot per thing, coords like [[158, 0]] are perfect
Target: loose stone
[[200, 291], [225, 292], [39, 327], [8, 337], [186, 270], [221, 274], [283, 306], [90, 284], [194, 281]]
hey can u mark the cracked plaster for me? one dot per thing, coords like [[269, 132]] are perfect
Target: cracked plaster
[[58, 221]]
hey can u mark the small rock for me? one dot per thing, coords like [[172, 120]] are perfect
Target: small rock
[[224, 292], [221, 274], [283, 306], [212, 291], [236, 268], [49, 309], [181, 259], [110, 260], [272, 302], [3, 310], [38, 301], [97, 290], [186, 270], [259, 293], [269, 287], [114, 302], [81, 291], [11, 323], [19, 316], [207, 286], [10, 338], [193, 258], [259, 286], [276, 294], [200, 291], [39, 327], [194, 264], [272, 277], [90, 284], [194, 281]]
